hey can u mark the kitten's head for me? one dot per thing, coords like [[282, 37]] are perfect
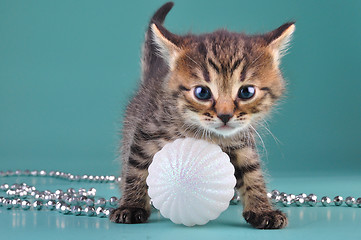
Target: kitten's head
[[223, 82]]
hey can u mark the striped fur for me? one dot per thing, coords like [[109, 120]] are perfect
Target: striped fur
[[165, 108]]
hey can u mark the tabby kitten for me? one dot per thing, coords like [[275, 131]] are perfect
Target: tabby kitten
[[215, 87]]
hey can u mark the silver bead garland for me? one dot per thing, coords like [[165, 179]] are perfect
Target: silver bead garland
[[84, 202], [310, 200], [76, 202]]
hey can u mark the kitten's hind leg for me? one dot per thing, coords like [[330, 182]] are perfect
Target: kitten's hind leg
[[134, 205]]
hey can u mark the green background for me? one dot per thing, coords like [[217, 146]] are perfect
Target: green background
[[68, 68]]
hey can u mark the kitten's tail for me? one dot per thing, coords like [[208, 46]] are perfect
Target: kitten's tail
[[153, 65]]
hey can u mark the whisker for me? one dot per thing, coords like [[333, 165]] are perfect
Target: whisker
[[259, 136], [265, 126], [193, 60]]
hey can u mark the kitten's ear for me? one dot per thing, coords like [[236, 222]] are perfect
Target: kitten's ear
[[167, 42], [278, 40]]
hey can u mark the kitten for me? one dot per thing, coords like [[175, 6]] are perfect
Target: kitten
[[214, 86]]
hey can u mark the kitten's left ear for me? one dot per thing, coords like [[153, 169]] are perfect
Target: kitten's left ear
[[278, 40], [167, 42]]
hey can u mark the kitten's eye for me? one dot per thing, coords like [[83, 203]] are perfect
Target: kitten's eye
[[246, 92], [202, 93]]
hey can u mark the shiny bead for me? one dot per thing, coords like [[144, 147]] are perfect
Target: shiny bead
[[338, 200], [33, 193], [38, 205], [106, 180], [73, 201], [84, 177], [16, 202], [119, 179], [10, 192], [312, 199], [76, 210], [275, 196], [65, 209], [47, 197], [235, 200], [113, 201], [100, 212], [92, 192], [111, 178], [82, 199], [26, 172], [89, 210], [2, 199], [23, 194], [82, 191], [106, 212], [286, 200], [34, 173], [350, 201], [111, 210], [275, 192], [50, 205], [25, 205], [71, 191], [31, 189], [90, 178], [42, 173], [283, 194], [67, 199], [100, 202], [299, 200], [325, 201], [58, 206], [15, 186], [358, 202], [269, 195], [303, 195], [39, 196], [4, 187], [59, 192], [47, 192], [90, 202]]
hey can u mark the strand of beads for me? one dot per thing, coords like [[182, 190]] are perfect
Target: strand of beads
[[80, 202], [61, 175], [310, 200]]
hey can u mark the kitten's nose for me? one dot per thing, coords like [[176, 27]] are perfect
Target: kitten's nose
[[225, 117]]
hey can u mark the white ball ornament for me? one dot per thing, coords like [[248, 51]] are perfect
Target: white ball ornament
[[191, 181]]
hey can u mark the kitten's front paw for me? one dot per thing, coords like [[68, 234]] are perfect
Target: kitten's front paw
[[129, 215], [266, 220]]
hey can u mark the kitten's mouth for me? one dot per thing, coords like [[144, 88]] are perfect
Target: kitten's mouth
[[224, 127]]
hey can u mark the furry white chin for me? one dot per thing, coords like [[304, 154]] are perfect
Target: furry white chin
[[227, 131]]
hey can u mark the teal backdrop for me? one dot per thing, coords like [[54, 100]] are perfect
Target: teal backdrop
[[68, 68]]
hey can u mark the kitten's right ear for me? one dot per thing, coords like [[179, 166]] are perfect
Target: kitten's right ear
[[168, 43]]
